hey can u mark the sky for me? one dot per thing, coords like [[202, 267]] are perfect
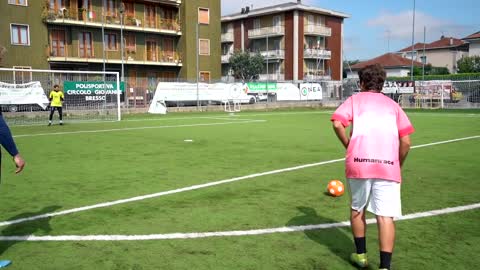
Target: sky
[[376, 27]]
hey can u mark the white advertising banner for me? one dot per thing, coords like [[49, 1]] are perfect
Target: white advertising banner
[[25, 93], [310, 91]]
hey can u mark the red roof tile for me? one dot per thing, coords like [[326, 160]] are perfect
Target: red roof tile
[[417, 46], [473, 36], [444, 42], [388, 60]]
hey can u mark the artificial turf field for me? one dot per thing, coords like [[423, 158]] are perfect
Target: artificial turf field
[[87, 164]]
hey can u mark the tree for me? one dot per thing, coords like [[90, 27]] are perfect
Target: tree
[[469, 64], [246, 66]]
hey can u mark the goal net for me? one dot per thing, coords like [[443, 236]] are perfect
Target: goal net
[[89, 95]]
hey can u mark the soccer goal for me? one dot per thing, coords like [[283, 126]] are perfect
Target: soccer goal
[[89, 95]]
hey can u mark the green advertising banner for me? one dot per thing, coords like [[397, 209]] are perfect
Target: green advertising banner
[[262, 87], [91, 88]]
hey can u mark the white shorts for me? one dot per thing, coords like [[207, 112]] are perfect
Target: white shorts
[[382, 196]]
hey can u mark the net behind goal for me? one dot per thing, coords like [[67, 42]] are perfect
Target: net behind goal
[[89, 95]]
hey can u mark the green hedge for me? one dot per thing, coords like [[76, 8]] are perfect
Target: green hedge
[[453, 77]]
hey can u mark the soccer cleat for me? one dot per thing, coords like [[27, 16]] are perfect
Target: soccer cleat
[[49, 124], [61, 124], [359, 260], [4, 263]]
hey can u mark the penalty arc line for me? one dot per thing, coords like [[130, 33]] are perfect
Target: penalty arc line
[[194, 235], [195, 187]]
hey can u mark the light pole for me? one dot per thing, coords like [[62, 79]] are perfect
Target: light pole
[[413, 40], [122, 79]]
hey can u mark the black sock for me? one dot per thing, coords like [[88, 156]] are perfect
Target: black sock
[[360, 244], [385, 259]]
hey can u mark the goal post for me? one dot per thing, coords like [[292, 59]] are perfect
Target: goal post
[[89, 95]]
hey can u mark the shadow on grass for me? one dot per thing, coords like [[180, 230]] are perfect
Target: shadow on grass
[[27, 228], [337, 240]]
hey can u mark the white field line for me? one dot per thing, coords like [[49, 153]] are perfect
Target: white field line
[[195, 187], [193, 235], [137, 128]]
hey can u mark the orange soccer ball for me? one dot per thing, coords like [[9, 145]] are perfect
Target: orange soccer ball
[[335, 188]]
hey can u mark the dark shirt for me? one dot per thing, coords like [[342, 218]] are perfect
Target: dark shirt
[[6, 139]]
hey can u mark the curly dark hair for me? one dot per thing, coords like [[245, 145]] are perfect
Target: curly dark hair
[[372, 77]]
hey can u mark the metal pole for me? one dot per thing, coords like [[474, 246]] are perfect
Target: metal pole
[[103, 39], [103, 54], [268, 73], [413, 40], [424, 57], [197, 67], [122, 9]]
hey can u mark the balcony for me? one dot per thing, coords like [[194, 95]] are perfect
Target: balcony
[[316, 75], [172, 59], [271, 54], [317, 30], [317, 54], [227, 37], [226, 58], [264, 32], [271, 77], [82, 17]]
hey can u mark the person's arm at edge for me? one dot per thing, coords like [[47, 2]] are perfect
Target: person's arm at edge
[[340, 132], [404, 148], [6, 140]]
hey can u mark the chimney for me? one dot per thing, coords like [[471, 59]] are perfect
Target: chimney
[[247, 10], [299, 2], [243, 11]]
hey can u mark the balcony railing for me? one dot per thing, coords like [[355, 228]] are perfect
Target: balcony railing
[[312, 75], [317, 54], [131, 57], [271, 77], [226, 58], [266, 31], [82, 16], [227, 37], [271, 54], [317, 30]]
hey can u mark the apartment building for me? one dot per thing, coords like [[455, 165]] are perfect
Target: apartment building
[[298, 42], [159, 37]]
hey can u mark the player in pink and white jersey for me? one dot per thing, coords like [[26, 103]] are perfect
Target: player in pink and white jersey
[[376, 149]]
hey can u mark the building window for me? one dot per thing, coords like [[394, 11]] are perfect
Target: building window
[[85, 45], [204, 76], [152, 51], [20, 34], [203, 16], [256, 24], [58, 4], [150, 16], [111, 42], [109, 7], [168, 51], [57, 41], [129, 9], [204, 45], [22, 76], [18, 2], [130, 44]]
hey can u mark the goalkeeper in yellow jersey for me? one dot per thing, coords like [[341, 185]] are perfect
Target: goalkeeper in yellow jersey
[[56, 101]]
